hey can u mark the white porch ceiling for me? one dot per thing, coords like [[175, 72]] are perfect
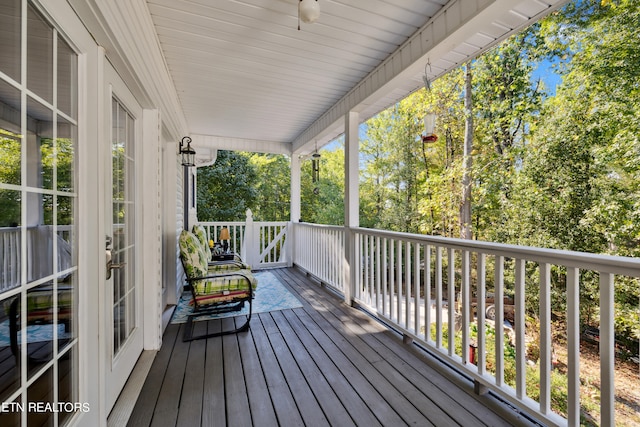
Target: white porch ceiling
[[246, 78]]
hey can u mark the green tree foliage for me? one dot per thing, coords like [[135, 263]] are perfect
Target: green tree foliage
[[227, 188], [322, 202], [580, 178], [273, 188], [506, 105]]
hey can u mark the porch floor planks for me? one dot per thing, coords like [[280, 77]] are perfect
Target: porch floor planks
[[322, 364], [440, 401], [257, 391]]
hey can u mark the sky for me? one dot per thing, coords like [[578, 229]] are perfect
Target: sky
[[545, 72]]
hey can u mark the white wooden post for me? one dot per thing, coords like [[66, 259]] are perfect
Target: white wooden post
[[250, 244], [351, 202], [295, 208]]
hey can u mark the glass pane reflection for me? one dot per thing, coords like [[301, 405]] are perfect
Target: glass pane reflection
[[10, 139], [40, 391], [10, 52], [67, 76], [9, 368], [40, 55], [65, 155], [39, 236], [40, 150], [10, 240]]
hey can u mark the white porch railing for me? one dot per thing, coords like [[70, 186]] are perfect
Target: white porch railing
[[398, 276], [320, 250], [260, 244]]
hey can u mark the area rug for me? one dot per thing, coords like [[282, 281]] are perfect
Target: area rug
[[270, 295]]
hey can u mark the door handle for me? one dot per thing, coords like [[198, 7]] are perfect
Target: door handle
[[112, 265], [109, 258]]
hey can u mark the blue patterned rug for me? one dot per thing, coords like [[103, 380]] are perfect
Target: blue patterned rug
[[270, 295]]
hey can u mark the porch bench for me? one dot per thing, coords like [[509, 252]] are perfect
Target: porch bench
[[216, 287]]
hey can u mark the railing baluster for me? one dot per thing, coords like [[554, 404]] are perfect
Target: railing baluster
[[427, 293], [480, 309], [416, 292], [372, 271], [521, 366], [499, 319], [451, 303], [438, 297], [407, 285], [385, 278], [392, 276], [378, 296], [573, 346], [399, 280], [545, 338], [607, 350], [464, 305]]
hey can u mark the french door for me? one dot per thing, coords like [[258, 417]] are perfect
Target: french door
[[123, 290]]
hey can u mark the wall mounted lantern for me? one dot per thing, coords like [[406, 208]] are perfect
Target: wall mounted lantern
[[188, 154]]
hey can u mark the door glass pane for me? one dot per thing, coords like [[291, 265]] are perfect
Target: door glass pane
[[10, 240], [10, 135], [39, 145], [40, 391], [67, 75], [67, 392], [65, 155], [123, 208], [10, 368], [66, 278], [10, 12], [40, 57], [39, 236]]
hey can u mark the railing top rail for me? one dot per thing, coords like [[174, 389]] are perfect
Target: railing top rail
[[601, 262], [226, 223], [324, 226]]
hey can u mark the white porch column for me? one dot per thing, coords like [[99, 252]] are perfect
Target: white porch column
[[351, 201], [152, 230], [296, 190]]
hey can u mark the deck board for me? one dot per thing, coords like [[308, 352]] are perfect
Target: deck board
[[322, 364]]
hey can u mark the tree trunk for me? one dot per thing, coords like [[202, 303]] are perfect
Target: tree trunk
[[465, 205]]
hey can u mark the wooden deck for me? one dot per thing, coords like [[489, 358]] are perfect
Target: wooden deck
[[322, 364]]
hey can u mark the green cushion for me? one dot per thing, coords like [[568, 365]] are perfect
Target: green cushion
[[222, 284], [201, 234], [193, 257], [226, 267]]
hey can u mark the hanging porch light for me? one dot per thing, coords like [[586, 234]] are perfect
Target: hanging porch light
[[308, 11], [429, 127]]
